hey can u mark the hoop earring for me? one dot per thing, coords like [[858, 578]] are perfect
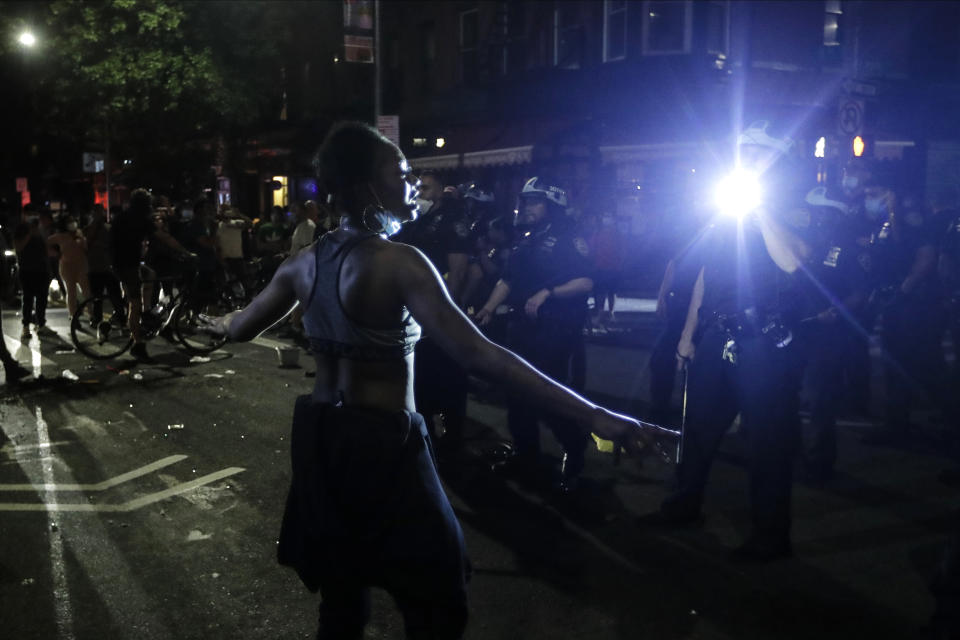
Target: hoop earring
[[372, 209]]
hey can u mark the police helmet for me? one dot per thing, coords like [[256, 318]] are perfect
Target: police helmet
[[539, 188]]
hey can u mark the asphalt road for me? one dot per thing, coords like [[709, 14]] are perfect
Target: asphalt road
[[144, 501]]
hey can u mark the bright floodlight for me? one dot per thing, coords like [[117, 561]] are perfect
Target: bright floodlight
[[739, 193], [27, 39]]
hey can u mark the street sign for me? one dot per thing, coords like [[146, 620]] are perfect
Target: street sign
[[21, 185], [92, 162], [850, 117], [389, 126]]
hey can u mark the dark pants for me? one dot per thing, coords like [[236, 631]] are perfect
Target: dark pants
[[828, 346], [36, 288], [762, 387], [105, 283], [440, 386], [663, 368], [552, 353], [5, 356], [365, 509], [913, 363]]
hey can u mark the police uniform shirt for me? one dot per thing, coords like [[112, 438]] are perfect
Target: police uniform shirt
[[546, 259], [739, 274], [895, 250], [950, 245], [838, 268], [443, 230]]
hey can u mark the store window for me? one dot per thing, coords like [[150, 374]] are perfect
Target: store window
[[614, 30], [567, 37]]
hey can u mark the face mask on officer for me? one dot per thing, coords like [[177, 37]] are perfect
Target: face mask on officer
[[424, 205], [850, 183], [71, 226]]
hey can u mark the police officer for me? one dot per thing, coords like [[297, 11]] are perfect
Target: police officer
[[907, 295], [747, 359], [547, 281], [442, 231], [837, 289]]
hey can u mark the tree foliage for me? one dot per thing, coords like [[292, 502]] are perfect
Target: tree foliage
[[152, 76]]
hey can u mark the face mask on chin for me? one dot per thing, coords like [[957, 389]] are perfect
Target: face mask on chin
[[423, 206]]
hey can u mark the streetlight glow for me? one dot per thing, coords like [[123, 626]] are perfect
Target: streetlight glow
[[27, 39]]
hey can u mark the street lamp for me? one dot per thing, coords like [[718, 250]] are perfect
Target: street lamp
[[27, 39]]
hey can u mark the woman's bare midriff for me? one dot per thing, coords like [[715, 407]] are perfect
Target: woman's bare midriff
[[386, 384]]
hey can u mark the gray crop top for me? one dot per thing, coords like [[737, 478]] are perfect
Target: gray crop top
[[328, 326]]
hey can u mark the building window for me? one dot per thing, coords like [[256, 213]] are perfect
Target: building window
[[567, 37], [718, 27], [428, 55], [832, 23], [667, 27], [614, 30], [469, 39]]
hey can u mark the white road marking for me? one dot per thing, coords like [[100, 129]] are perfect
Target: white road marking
[[124, 507], [99, 486], [12, 449], [61, 589]]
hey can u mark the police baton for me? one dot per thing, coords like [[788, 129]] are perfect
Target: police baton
[[683, 411]]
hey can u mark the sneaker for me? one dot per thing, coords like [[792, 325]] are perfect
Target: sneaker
[[139, 351], [25, 335], [15, 371]]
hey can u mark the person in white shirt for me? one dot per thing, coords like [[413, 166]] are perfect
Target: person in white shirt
[[306, 226], [230, 242]]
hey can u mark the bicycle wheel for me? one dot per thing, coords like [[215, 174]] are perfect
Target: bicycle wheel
[[186, 325], [99, 330]]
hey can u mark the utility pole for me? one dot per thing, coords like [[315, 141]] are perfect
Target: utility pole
[[377, 107]]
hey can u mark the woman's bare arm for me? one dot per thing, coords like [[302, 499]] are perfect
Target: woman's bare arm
[[427, 299], [270, 306]]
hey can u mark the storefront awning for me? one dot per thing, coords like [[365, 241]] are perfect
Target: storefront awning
[[639, 152], [495, 157], [449, 161]]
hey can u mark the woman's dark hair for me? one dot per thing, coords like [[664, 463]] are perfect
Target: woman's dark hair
[[141, 203], [347, 157]]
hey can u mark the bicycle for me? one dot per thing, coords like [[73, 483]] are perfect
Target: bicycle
[[99, 327]]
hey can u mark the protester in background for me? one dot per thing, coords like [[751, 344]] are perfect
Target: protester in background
[[230, 231], [303, 233], [272, 234], [607, 247], [12, 369], [131, 229], [72, 245], [100, 262], [34, 273], [48, 227]]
